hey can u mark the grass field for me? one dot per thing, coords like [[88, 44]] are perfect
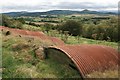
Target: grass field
[[31, 28], [73, 40]]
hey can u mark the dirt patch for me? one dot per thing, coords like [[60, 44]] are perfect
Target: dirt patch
[[20, 46], [40, 53]]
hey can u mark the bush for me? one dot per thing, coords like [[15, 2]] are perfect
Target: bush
[[9, 22], [48, 27], [74, 27], [105, 30]]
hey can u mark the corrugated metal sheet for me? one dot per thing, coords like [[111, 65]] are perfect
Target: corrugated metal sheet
[[89, 58], [38, 34]]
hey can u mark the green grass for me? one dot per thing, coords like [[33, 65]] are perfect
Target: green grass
[[73, 40], [31, 28], [81, 40], [20, 61]]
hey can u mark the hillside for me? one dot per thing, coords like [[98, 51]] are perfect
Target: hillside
[[20, 60], [56, 12]]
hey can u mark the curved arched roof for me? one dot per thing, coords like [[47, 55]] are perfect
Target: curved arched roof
[[89, 58]]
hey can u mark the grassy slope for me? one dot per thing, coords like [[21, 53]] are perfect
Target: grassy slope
[[19, 60], [73, 40]]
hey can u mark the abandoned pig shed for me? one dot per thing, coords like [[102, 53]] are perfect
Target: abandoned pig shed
[[84, 58]]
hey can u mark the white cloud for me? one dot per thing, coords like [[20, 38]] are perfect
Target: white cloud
[[43, 5]]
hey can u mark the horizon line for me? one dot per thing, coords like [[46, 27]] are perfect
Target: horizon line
[[62, 10]]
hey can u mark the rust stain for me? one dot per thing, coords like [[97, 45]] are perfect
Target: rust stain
[[38, 34], [90, 58]]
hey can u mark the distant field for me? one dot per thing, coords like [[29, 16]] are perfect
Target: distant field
[[42, 23], [31, 28]]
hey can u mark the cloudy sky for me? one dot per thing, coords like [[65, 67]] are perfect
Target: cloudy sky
[[46, 5]]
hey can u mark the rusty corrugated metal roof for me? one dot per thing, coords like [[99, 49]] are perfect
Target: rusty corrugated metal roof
[[90, 58], [38, 34]]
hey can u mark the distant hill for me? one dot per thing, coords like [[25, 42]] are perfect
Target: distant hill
[[90, 12], [64, 12], [55, 12]]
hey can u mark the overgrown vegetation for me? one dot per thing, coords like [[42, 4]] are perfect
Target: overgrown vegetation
[[20, 60], [10, 22], [73, 27], [93, 29], [102, 30]]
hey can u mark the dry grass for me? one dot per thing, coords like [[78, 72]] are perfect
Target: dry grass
[[42, 23], [105, 74], [27, 71]]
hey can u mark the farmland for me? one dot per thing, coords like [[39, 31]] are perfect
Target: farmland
[[21, 61]]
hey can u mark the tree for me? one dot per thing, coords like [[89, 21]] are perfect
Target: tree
[[21, 20], [88, 30], [73, 27], [48, 27]]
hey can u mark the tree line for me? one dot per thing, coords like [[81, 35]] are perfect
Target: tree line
[[104, 30]]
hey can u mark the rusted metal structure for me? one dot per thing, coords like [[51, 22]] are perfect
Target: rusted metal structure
[[37, 34], [90, 58]]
